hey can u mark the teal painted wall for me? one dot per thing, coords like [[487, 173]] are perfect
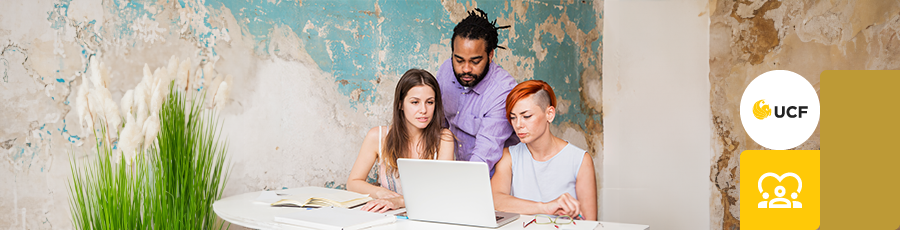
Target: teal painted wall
[[346, 37]]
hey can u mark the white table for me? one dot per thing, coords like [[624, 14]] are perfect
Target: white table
[[244, 211]]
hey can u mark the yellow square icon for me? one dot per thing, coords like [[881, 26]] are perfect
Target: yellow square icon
[[779, 189]]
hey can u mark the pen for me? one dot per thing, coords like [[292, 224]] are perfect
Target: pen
[[402, 216]]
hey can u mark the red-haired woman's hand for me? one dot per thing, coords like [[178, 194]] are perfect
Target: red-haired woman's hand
[[565, 204]]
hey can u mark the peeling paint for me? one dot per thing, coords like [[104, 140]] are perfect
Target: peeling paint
[[57, 16], [758, 35], [748, 38], [330, 38], [148, 30]]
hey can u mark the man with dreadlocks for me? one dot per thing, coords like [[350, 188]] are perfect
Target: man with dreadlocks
[[474, 92]]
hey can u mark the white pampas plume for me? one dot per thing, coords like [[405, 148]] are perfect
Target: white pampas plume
[[184, 69], [157, 92], [143, 112], [156, 100], [101, 93], [206, 83], [194, 78], [88, 119], [130, 138], [140, 95], [99, 73], [81, 103], [151, 128], [148, 76], [125, 137], [172, 67], [96, 77], [96, 102], [111, 113], [141, 101], [164, 87], [146, 84], [104, 75], [128, 101], [160, 75], [160, 98], [221, 96], [104, 109]]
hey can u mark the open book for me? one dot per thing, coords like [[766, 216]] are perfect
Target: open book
[[318, 202]]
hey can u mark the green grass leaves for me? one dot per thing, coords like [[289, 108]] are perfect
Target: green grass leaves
[[172, 185], [188, 165]]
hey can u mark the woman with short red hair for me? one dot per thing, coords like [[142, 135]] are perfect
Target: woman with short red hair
[[543, 174]]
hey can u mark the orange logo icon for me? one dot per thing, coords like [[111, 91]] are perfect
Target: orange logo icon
[[761, 111]]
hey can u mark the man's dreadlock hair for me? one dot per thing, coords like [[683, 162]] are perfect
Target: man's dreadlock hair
[[477, 26]]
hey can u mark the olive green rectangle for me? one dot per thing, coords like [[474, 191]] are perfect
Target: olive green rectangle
[[860, 147]]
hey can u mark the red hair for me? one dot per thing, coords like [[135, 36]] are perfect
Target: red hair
[[528, 88]]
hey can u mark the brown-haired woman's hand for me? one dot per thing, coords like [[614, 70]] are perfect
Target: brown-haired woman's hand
[[386, 194], [381, 205]]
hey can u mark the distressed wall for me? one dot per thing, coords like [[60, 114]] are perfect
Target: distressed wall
[[748, 38], [310, 77]]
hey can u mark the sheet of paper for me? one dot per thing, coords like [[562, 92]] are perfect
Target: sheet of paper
[[268, 197]]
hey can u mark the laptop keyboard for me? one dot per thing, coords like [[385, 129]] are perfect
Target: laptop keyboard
[[498, 217]]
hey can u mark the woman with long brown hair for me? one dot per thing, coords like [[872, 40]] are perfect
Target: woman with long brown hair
[[415, 132]]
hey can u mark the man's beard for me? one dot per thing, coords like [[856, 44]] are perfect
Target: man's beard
[[475, 78]]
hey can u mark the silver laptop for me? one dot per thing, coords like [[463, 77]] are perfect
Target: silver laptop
[[453, 192]]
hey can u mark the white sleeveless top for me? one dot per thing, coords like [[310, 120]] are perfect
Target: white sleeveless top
[[544, 181], [388, 181]]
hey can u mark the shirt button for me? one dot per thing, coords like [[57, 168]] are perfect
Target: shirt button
[[457, 112]]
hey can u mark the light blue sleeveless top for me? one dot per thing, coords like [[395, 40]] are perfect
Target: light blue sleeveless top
[[544, 181]]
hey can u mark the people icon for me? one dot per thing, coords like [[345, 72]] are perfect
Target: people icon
[[779, 201]]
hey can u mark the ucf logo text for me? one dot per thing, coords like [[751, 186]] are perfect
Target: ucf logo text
[[762, 111]]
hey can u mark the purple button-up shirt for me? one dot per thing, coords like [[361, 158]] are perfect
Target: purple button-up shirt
[[477, 115]]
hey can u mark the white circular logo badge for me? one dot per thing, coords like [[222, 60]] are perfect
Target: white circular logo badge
[[779, 109]]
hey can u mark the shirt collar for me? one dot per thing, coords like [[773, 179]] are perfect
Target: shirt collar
[[482, 86]]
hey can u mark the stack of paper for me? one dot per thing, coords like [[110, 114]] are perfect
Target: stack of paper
[[335, 219]]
